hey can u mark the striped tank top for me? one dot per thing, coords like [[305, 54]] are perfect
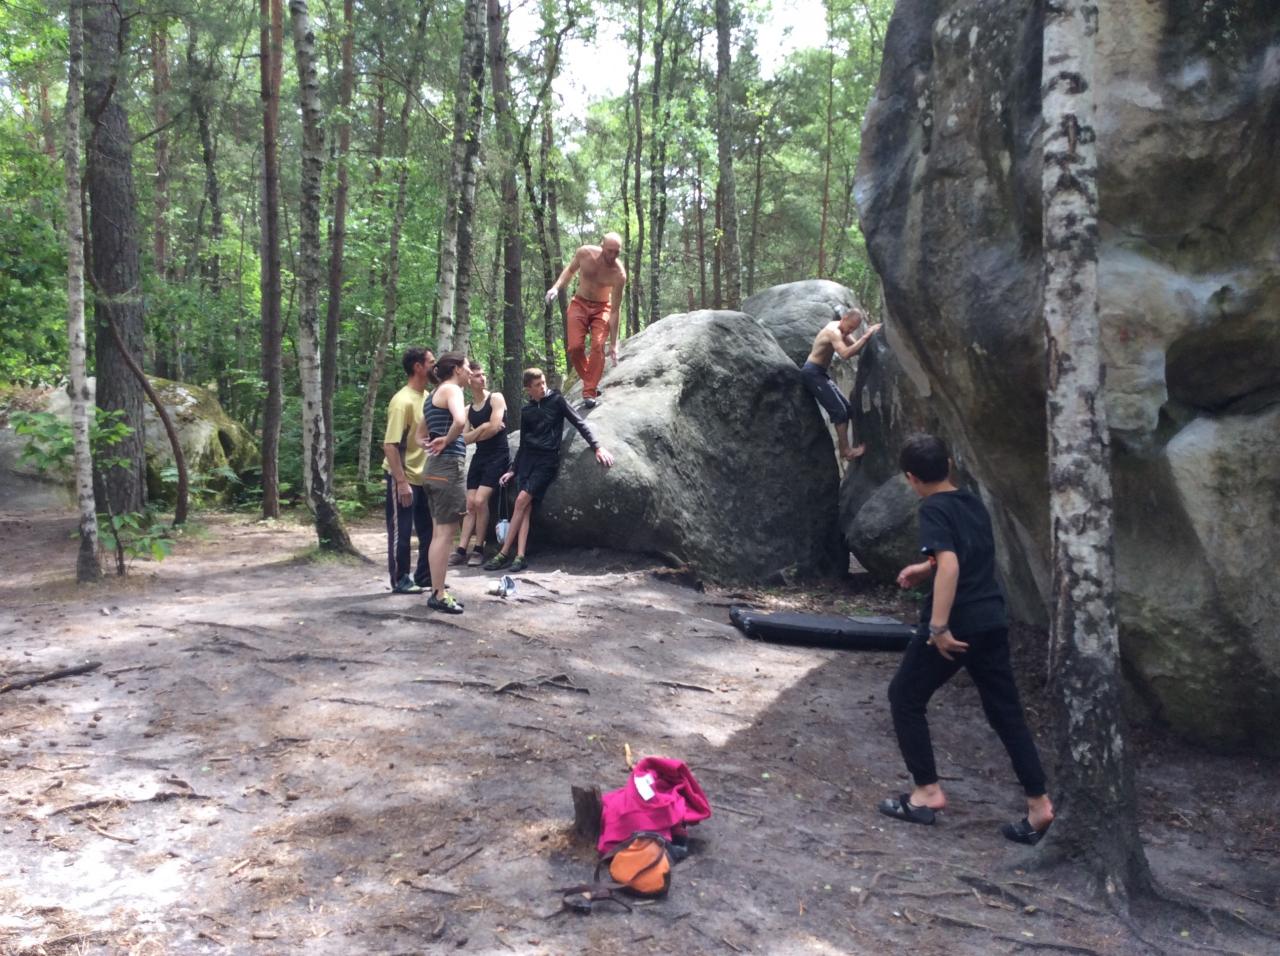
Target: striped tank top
[[439, 421]]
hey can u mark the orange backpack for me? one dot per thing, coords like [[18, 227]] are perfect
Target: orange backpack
[[641, 864]]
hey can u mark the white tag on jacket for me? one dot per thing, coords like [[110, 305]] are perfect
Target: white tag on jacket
[[644, 785]]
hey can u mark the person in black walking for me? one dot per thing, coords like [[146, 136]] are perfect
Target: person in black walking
[[967, 626], [537, 461]]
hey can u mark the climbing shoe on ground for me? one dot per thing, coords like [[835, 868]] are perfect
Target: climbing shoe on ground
[[497, 562], [475, 559], [456, 557], [590, 402], [444, 603], [518, 565], [406, 585]]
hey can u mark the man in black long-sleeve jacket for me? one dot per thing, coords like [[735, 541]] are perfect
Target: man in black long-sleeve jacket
[[538, 461]]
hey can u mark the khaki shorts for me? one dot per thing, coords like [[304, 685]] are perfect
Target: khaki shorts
[[445, 481]]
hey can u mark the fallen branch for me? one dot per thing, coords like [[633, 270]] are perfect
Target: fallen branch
[[110, 836], [52, 675], [371, 703], [963, 923], [682, 686], [1049, 944], [160, 797], [460, 860], [302, 657]]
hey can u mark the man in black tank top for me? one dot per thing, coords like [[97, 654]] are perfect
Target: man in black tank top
[[487, 430]]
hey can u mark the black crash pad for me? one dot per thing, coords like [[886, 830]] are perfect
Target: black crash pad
[[822, 630]]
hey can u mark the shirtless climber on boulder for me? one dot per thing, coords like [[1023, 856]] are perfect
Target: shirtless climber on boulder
[[593, 310], [836, 338]]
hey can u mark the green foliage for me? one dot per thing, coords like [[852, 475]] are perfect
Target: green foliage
[[50, 444], [142, 534]]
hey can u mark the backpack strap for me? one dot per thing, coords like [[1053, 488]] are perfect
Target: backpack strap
[[582, 897]]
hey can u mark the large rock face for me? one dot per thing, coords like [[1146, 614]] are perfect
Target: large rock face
[[948, 190], [722, 458], [217, 448]]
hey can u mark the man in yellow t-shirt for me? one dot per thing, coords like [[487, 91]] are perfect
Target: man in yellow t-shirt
[[403, 465]]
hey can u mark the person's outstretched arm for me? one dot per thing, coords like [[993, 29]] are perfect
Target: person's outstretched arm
[[565, 276], [585, 431]]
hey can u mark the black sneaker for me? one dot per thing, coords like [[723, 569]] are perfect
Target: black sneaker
[[446, 604], [497, 562], [518, 565], [406, 585], [589, 403]]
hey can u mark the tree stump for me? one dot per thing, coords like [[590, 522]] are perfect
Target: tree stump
[[587, 810]]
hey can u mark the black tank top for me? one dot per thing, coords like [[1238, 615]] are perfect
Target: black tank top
[[439, 421], [494, 446]]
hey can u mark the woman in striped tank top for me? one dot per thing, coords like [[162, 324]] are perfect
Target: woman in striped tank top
[[440, 433]]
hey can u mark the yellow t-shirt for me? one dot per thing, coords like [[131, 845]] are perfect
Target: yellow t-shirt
[[403, 414]]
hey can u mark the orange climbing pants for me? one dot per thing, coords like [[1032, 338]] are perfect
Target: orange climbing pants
[[588, 317]]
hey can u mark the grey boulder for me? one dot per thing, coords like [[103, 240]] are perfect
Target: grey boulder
[[722, 460]]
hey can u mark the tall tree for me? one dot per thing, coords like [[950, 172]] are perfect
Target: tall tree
[[87, 567], [512, 310], [731, 257], [316, 475], [829, 143], [160, 87], [271, 56], [1097, 807], [637, 251], [113, 263], [459, 205], [657, 162], [391, 288], [338, 234]]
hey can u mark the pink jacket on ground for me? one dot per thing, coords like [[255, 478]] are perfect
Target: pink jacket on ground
[[676, 802]]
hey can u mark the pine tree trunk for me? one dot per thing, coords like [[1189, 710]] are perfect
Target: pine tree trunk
[[637, 252], [826, 161], [1096, 803], [756, 198], [731, 256], [512, 312], [552, 192], [87, 567], [467, 105], [391, 287], [701, 201], [338, 236], [329, 527], [160, 92], [114, 271], [271, 51], [657, 158]]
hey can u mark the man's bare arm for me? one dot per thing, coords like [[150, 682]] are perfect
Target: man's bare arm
[[615, 307], [848, 351], [566, 275]]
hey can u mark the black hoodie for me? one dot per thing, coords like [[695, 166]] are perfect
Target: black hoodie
[[542, 424]]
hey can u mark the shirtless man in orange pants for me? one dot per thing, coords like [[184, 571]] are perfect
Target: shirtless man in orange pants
[[593, 311]]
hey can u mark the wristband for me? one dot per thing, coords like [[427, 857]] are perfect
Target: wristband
[[933, 562], [934, 631]]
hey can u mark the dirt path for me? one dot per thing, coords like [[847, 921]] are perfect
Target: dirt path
[[278, 756]]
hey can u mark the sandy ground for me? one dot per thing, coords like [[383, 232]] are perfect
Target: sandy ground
[[278, 756]]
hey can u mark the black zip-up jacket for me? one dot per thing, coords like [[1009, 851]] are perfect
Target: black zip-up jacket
[[542, 424]]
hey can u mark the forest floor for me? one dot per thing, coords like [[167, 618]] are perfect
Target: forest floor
[[279, 756]]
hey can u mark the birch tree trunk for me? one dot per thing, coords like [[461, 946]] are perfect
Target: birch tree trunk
[[1096, 804], [270, 54], [316, 479], [113, 265], [467, 104], [391, 296], [731, 256], [87, 567], [338, 235]]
